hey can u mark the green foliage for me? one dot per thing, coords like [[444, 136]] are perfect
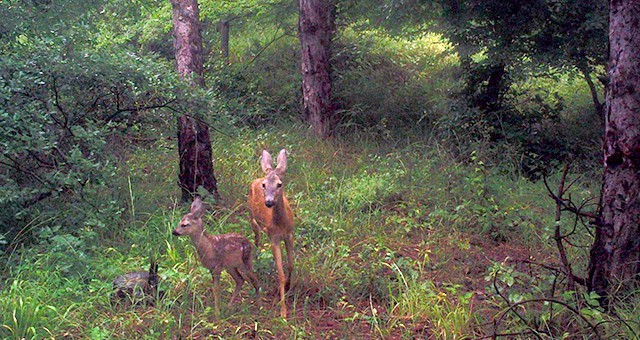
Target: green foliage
[[262, 89], [366, 190], [359, 207], [383, 95], [627, 325], [532, 307], [504, 44], [532, 132], [240, 8], [142, 26], [25, 319], [419, 301], [261, 93], [548, 33], [60, 116], [26, 23]]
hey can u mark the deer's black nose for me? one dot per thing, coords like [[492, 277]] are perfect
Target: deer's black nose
[[269, 204], [175, 233]]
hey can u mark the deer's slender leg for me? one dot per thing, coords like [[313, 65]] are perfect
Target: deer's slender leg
[[277, 255], [237, 277], [256, 232], [252, 278], [288, 243], [216, 291]]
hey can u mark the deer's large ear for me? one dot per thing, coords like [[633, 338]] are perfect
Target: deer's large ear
[[197, 208], [266, 161], [282, 163]]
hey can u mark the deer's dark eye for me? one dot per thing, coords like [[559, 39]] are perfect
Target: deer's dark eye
[[264, 185]]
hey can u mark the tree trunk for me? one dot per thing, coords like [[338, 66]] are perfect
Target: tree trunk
[[592, 88], [223, 27], [491, 96], [315, 29], [194, 145], [615, 254]]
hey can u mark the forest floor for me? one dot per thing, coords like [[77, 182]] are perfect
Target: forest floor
[[452, 265], [457, 260]]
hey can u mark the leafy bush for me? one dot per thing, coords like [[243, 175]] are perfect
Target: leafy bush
[[65, 120], [533, 125], [261, 93]]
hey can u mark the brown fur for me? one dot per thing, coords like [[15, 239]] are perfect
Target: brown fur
[[271, 213], [232, 252]]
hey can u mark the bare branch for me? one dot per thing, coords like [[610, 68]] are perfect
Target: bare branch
[[559, 302], [139, 109], [567, 205], [508, 302]]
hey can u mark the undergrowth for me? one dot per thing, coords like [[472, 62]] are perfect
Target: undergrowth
[[392, 241]]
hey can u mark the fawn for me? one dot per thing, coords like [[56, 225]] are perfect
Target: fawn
[[270, 212], [232, 252]]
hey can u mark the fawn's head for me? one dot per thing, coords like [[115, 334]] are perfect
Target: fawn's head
[[272, 185], [191, 223]]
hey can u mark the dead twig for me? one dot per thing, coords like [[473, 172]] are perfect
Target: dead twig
[[593, 327], [561, 205]]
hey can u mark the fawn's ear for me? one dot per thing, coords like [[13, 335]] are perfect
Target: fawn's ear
[[197, 208], [266, 161], [282, 163]]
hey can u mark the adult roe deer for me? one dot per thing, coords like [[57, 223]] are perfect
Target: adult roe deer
[[270, 212], [232, 252]]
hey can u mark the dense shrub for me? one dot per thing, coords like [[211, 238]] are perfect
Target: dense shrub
[[262, 92], [382, 84], [530, 131], [65, 119]]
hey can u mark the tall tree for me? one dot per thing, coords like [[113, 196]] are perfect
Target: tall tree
[[615, 255], [315, 30], [516, 36], [194, 145], [223, 27]]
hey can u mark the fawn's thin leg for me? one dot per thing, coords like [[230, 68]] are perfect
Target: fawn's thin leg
[[254, 280], [288, 243], [248, 275], [277, 254], [216, 291], [237, 277]]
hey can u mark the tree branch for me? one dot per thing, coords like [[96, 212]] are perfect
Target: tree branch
[[557, 236], [567, 205], [562, 303], [139, 109]]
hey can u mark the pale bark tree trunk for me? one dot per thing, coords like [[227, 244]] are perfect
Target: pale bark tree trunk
[[194, 145], [315, 29], [615, 254]]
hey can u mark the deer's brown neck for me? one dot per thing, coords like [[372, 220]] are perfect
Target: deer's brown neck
[[279, 212], [201, 242]]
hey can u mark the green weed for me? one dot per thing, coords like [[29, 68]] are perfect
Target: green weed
[[445, 312]]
